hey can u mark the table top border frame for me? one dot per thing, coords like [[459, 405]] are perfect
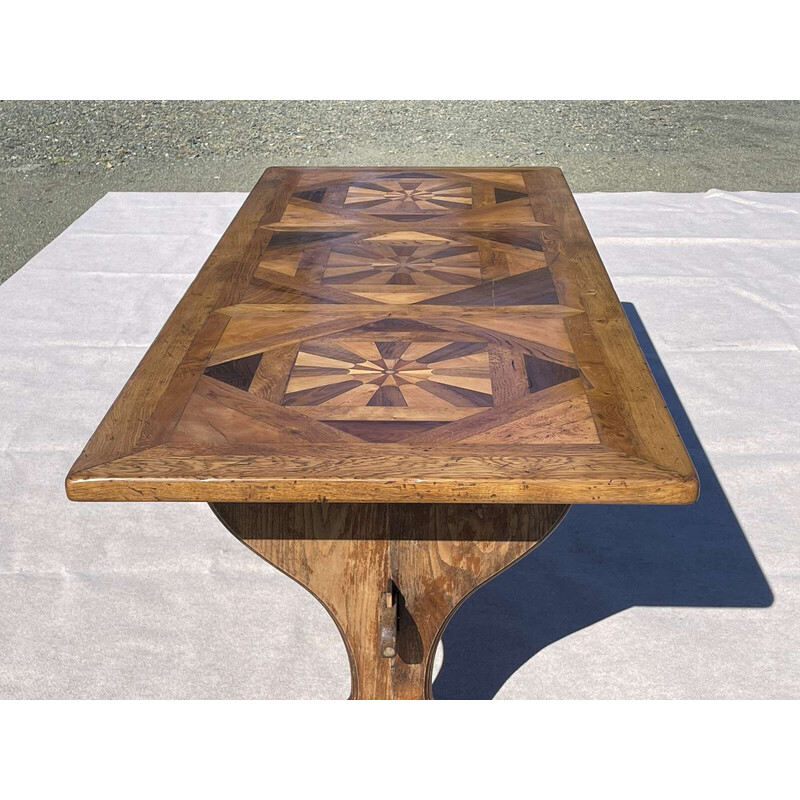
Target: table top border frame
[[646, 463]]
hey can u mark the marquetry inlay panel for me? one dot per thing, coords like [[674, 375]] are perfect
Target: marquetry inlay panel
[[405, 195], [395, 334]]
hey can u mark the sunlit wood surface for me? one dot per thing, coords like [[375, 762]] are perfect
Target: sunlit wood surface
[[394, 335]]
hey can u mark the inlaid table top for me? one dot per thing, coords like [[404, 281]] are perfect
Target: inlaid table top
[[394, 335]]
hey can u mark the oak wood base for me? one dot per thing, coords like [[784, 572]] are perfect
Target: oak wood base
[[370, 564]]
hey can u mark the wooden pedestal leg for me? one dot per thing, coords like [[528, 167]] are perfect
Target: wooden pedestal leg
[[390, 575]]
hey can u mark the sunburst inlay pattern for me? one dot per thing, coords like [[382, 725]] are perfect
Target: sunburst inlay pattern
[[409, 196], [412, 375], [375, 263]]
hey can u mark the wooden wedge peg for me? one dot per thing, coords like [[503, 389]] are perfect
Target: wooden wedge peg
[[388, 626]]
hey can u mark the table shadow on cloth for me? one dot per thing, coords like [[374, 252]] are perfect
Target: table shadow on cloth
[[601, 561]]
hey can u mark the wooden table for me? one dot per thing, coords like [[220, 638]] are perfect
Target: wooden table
[[391, 384]]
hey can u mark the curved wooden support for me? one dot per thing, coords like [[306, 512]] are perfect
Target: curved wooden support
[[426, 557]]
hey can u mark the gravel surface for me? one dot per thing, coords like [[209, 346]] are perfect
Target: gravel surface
[[58, 158]]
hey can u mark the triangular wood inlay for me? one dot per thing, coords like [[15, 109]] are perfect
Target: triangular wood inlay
[[504, 195], [312, 195], [384, 431], [543, 374], [237, 373], [286, 238]]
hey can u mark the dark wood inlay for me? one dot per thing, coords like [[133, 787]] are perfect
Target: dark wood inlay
[[385, 431], [238, 373], [313, 195], [504, 195], [543, 374], [297, 237]]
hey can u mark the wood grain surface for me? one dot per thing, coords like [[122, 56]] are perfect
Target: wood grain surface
[[430, 556], [394, 335]]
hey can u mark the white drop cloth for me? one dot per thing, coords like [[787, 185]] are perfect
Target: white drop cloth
[[124, 600]]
